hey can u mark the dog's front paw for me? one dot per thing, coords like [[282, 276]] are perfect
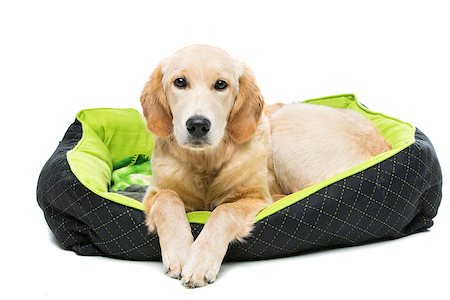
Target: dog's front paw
[[202, 265], [174, 257]]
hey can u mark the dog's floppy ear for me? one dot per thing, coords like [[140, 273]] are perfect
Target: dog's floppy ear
[[155, 106], [247, 109]]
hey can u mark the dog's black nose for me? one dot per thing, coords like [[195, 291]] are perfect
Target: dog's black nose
[[198, 126]]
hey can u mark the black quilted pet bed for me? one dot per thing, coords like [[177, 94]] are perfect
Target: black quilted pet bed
[[392, 195]]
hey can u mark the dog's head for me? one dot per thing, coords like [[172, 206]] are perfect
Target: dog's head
[[200, 95]]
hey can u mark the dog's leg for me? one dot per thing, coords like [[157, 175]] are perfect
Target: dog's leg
[[166, 214], [228, 222]]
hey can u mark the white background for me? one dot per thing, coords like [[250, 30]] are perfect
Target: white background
[[57, 57]]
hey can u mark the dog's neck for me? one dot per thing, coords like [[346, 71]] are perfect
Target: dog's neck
[[207, 161]]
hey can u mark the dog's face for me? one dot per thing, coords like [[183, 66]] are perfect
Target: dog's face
[[200, 85], [200, 95]]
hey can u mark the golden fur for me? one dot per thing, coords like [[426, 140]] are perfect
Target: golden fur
[[244, 164], [327, 141]]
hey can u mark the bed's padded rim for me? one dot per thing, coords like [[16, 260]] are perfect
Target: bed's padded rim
[[91, 225]]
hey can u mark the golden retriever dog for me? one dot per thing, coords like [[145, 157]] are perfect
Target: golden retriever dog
[[216, 150]]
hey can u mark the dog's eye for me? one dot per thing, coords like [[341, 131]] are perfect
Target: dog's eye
[[220, 85], [180, 83]]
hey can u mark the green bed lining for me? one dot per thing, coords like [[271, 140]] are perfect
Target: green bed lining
[[111, 135]]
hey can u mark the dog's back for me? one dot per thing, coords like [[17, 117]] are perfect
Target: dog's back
[[311, 143]]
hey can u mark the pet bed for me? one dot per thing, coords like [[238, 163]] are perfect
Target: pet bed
[[392, 195]]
